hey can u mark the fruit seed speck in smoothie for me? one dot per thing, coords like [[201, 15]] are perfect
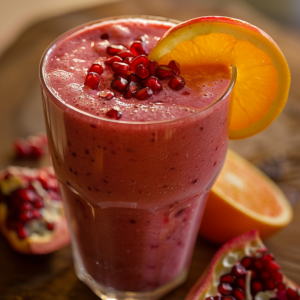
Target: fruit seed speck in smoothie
[[134, 150]]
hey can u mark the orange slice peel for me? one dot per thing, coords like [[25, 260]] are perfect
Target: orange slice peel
[[263, 78]]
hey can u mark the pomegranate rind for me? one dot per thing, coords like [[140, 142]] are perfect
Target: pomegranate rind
[[241, 31], [242, 245], [217, 225], [35, 244], [211, 275]]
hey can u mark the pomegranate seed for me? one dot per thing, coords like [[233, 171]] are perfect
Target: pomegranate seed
[[213, 298], [92, 80], [264, 275], [50, 226], [153, 83], [142, 71], [38, 203], [163, 72], [133, 77], [291, 294], [26, 215], [238, 270], [37, 151], [26, 195], [119, 84], [269, 285], [152, 66], [240, 282], [173, 64], [114, 114], [113, 59], [280, 286], [246, 262], [224, 288], [238, 294], [177, 83], [120, 68], [268, 257], [96, 68], [106, 94], [104, 36], [256, 287], [128, 60], [144, 94], [36, 214], [25, 206], [227, 278], [131, 90], [125, 53], [276, 275], [258, 265], [272, 265], [22, 148], [139, 60], [253, 274], [115, 49], [137, 48], [22, 233]]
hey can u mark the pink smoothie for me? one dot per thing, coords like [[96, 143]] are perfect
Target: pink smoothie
[[134, 188]]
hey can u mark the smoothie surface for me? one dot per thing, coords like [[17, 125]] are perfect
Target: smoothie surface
[[67, 65]]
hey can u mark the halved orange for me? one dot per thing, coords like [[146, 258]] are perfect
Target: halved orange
[[263, 78], [242, 199]]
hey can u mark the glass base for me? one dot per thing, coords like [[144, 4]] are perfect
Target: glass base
[[107, 293]]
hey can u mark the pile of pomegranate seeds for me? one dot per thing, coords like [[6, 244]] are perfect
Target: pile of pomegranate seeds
[[33, 147], [265, 276], [134, 75], [24, 192]]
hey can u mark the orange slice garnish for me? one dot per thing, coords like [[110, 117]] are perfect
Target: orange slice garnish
[[263, 79]]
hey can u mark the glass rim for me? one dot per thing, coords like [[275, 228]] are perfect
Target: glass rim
[[61, 103]]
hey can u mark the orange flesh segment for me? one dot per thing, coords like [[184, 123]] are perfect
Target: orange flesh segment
[[242, 185], [257, 80]]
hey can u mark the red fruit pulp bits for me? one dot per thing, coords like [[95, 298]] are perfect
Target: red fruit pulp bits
[[92, 80]]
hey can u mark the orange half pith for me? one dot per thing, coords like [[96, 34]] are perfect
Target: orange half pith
[[263, 79]]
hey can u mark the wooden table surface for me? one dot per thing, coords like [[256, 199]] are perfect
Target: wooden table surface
[[276, 150]]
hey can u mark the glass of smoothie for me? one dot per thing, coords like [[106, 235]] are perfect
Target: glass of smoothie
[[134, 173]]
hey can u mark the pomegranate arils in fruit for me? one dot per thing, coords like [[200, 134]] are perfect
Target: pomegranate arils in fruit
[[163, 72], [258, 265], [115, 49], [291, 294], [264, 275], [125, 53], [173, 64], [269, 285], [133, 77], [224, 288], [247, 262], [272, 266], [227, 278], [120, 68], [227, 298], [50, 226], [176, 83], [280, 286], [238, 270], [238, 294], [22, 233], [113, 59], [240, 282], [137, 48], [276, 275], [142, 71], [114, 114], [139, 60], [153, 83], [144, 94], [131, 90], [152, 66], [119, 84], [96, 68], [256, 287], [92, 80]]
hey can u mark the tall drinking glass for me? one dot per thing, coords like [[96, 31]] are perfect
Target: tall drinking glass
[[133, 192]]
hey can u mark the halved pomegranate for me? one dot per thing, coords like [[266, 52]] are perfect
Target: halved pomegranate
[[31, 212], [242, 269]]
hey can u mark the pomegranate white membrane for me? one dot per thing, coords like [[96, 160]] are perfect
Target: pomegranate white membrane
[[136, 148]]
